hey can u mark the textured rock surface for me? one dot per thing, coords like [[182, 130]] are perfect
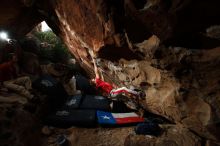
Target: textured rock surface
[[18, 17], [113, 27], [18, 127], [93, 136], [178, 86], [181, 84], [172, 136]]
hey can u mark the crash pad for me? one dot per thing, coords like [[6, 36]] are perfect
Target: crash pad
[[73, 102], [49, 86], [67, 118], [105, 118], [95, 102]]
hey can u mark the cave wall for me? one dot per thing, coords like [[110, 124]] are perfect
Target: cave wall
[[128, 32], [113, 25], [18, 17], [112, 28]]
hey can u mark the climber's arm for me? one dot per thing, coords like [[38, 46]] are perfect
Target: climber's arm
[[97, 75]]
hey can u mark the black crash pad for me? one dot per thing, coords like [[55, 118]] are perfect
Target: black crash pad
[[73, 102], [68, 118], [95, 102], [49, 86]]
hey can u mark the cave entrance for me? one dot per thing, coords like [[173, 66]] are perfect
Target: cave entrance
[[46, 45], [45, 27]]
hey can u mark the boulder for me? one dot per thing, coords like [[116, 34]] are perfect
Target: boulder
[[173, 135], [19, 127], [140, 71]]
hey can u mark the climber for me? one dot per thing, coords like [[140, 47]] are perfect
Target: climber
[[9, 71], [9, 77], [112, 90]]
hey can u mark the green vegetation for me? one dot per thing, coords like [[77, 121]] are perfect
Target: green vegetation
[[53, 48], [47, 36]]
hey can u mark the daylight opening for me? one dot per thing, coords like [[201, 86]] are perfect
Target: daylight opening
[[44, 27]]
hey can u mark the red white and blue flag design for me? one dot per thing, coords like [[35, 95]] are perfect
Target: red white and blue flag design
[[118, 118]]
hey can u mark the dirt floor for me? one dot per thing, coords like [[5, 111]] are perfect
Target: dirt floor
[[93, 136]]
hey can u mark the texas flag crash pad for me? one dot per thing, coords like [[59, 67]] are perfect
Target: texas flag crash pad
[[118, 118]]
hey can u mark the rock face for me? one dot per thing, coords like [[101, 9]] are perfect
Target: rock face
[[172, 136], [106, 137], [129, 35], [18, 127], [111, 28], [114, 27], [177, 85], [18, 17]]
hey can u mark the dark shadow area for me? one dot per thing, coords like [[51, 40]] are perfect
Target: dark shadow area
[[139, 4], [193, 42], [113, 53], [136, 31]]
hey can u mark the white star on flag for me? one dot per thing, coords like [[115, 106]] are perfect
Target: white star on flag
[[106, 117]]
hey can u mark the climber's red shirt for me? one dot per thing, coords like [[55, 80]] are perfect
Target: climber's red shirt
[[104, 86], [7, 71]]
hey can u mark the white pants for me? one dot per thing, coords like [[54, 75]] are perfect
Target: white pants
[[20, 85], [116, 92]]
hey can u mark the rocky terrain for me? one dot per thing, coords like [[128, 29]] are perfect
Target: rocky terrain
[[162, 47]]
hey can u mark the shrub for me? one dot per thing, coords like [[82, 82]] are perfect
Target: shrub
[[56, 50]]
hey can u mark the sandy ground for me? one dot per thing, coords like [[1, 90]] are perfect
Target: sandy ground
[[93, 137]]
